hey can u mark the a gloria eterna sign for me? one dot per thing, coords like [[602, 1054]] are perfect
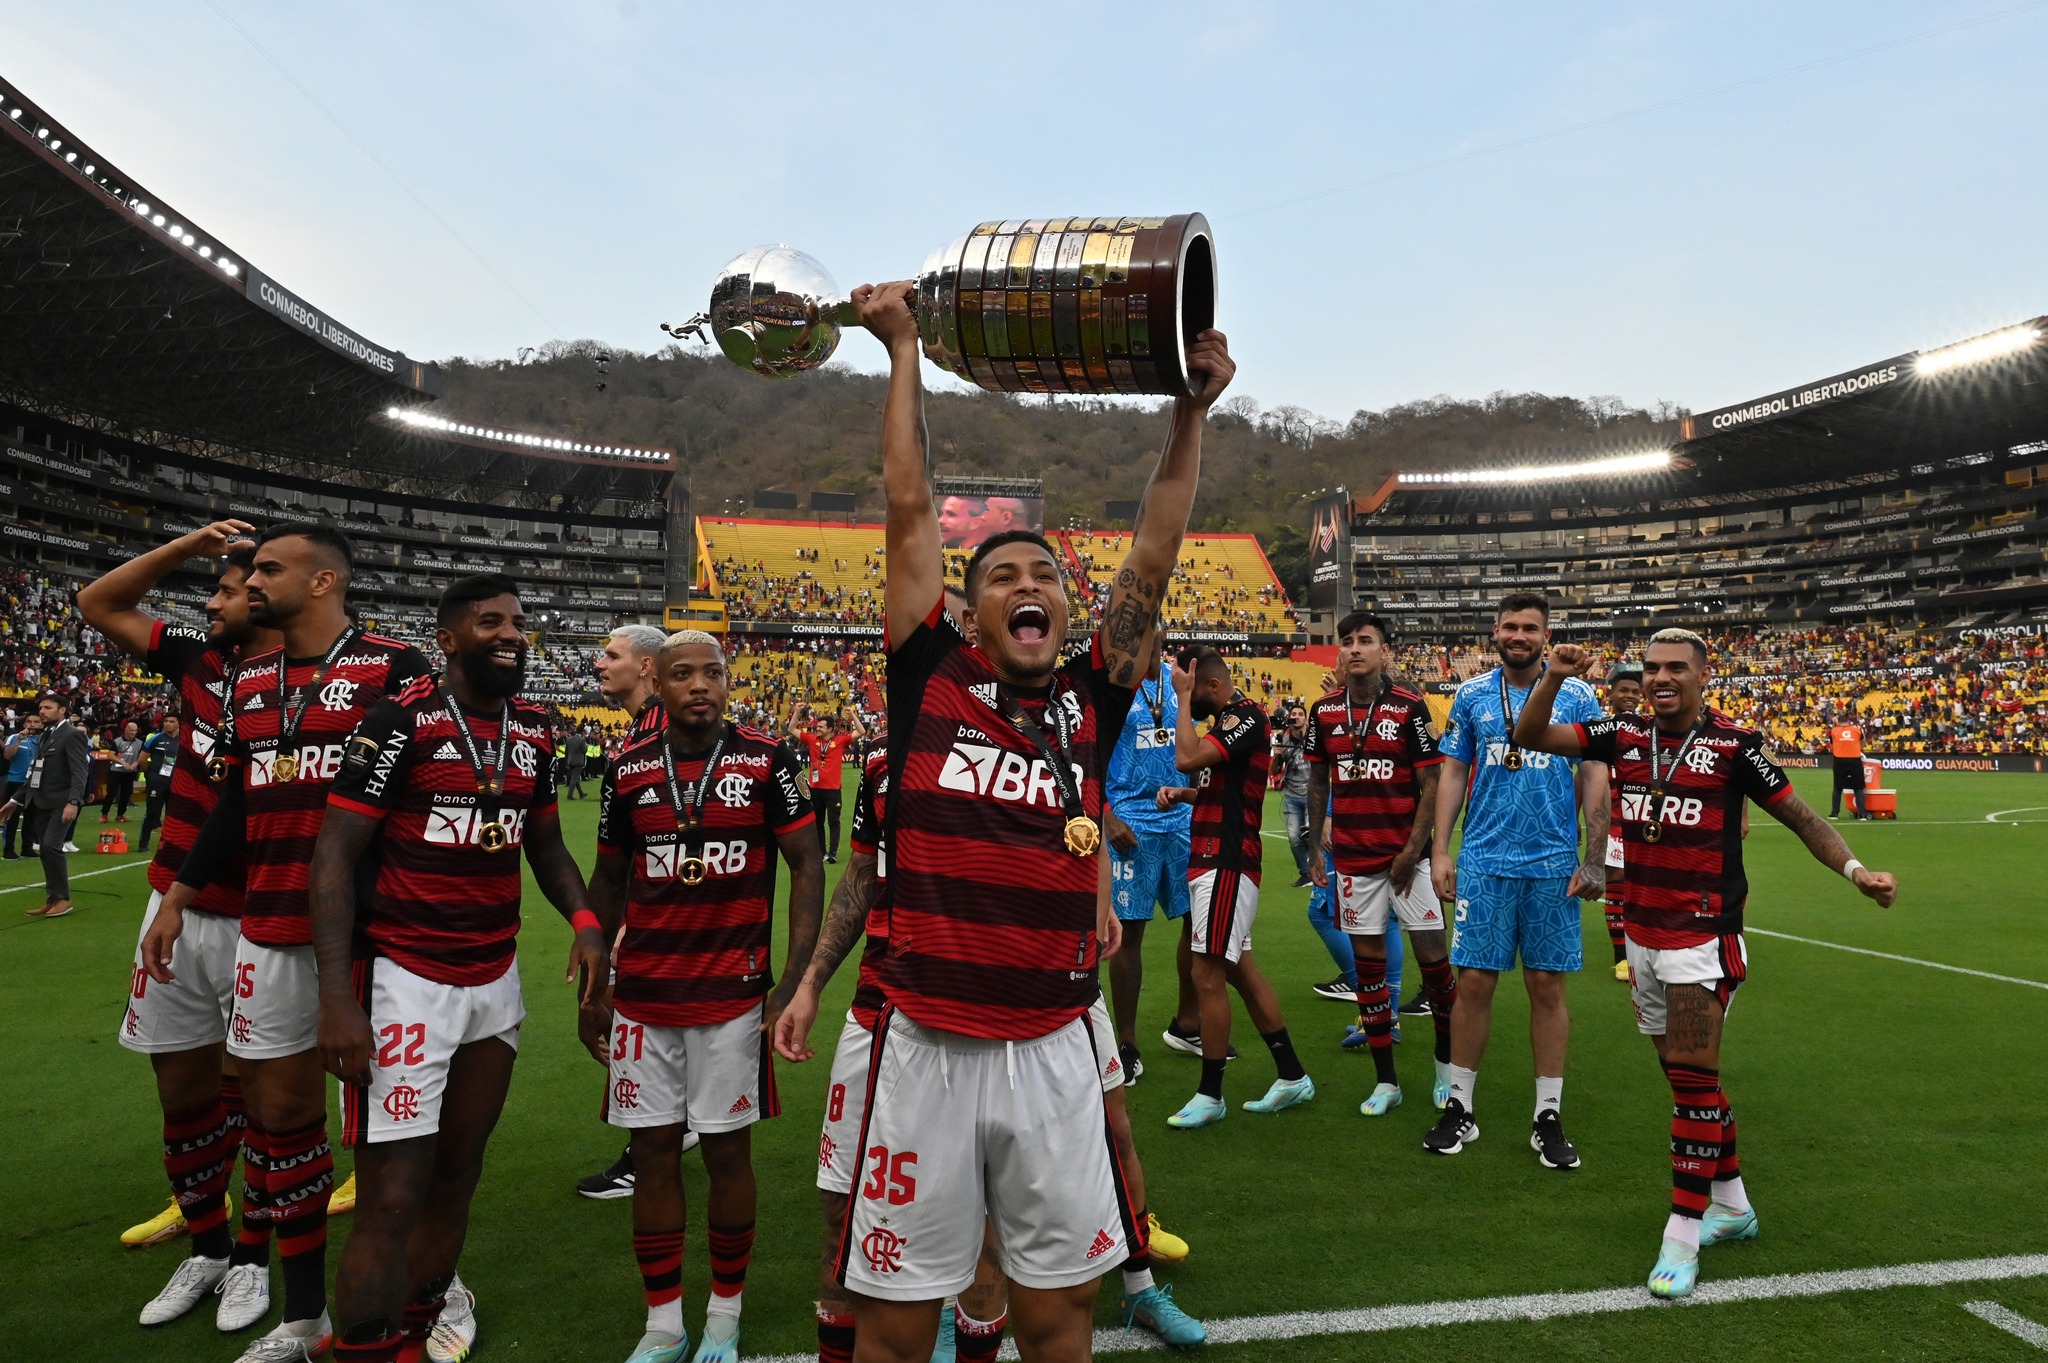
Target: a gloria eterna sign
[[276, 298]]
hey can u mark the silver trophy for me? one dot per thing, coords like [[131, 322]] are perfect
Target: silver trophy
[[1046, 305]]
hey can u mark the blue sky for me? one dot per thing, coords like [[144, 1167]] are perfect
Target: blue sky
[[1393, 217]]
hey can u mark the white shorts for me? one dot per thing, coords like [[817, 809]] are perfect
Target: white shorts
[[1107, 1060], [845, 1106], [716, 1076], [846, 1100], [960, 1130], [415, 1026], [277, 1001], [1221, 918], [1363, 901], [1721, 965], [193, 1009]]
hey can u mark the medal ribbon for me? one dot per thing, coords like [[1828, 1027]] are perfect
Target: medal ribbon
[[1062, 765], [1358, 735], [689, 803], [224, 730], [288, 719], [489, 780], [1657, 773], [1509, 717], [1155, 703]]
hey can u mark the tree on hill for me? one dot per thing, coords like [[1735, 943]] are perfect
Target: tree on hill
[[819, 432]]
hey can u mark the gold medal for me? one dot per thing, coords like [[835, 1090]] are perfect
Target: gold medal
[[693, 871], [285, 768], [1653, 831], [1161, 737], [217, 770], [1083, 837], [1513, 761], [492, 837]]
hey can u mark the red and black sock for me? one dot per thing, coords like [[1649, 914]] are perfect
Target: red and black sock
[[1731, 1167], [732, 1248], [252, 1241], [1440, 987], [1376, 1015], [301, 1177], [977, 1341], [1616, 937], [660, 1253], [198, 1147], [1282, 1047], [1698, 1110], [425, 1307], [369, 1341], [835, 1337]]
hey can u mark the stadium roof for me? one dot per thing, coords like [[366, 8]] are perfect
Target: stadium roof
[[117, 311], [1983, 397]]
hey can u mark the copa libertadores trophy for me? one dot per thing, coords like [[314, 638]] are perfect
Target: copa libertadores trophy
[[1048, 305]]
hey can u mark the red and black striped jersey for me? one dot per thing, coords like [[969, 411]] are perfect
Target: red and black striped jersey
[[1375, 753], [184, 658], [432, 894], [870, 808], [652, 719], [694, 955], [282, 818], [991, 918], [1687, 886], [1231, 796]]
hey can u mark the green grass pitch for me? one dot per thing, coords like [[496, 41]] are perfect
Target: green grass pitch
[[1890, 1113]]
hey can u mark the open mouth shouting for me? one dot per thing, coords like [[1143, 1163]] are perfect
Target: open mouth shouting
[[1029, 622]]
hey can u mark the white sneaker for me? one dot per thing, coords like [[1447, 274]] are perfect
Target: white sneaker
[[454, 1332], [71, 847], [195, 1278], [295, 1341], [244, 1297]]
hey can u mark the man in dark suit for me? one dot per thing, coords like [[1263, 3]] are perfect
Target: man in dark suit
[[52, 794]]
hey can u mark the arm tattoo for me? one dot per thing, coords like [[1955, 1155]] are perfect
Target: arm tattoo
[[1425, 812], [1598, 815], [844, 922], [1318, 801], [1817, 833]]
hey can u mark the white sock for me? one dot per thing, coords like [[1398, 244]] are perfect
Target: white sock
[[1729, 1193], [666, 1319], [1463, 1081], [1684, 1229], [1443, 1071], [1549, 1095], [1134, 1283]]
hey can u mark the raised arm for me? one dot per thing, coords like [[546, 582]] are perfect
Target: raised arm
[[1191, 751], [1533, 728], [111, 604], [917, 570], [1140, 587]]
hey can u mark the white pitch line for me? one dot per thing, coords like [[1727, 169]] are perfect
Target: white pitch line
[[1903, 960], [1551, 1305], [2012, 1322], [82, 875], [1998, 815]]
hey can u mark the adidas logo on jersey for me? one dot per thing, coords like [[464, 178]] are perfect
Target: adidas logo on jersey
[[744, 1105], [447, 752], [1633, 755], [1103, 1245], [254, 702], [648, 797], [985, 692]]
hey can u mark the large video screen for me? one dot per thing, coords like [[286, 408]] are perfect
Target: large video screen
[[964, 522]]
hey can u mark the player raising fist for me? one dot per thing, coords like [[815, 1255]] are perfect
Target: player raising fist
[[1684, 771]]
